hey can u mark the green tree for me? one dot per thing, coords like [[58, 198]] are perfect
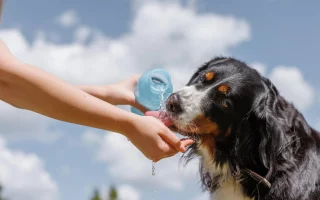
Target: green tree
[[96, 195], [113, 194]]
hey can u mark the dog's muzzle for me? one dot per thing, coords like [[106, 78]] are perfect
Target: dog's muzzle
[[173, 104]]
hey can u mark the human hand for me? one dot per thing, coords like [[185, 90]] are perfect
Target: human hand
[[154, 139], [121, 93]]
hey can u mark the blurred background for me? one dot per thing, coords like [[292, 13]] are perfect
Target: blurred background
[[105, 41]]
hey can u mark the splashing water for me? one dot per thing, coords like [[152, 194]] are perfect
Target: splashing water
[[162, 102], [161, 116]]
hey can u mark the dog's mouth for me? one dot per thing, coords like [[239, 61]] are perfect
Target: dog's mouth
[[186, 133], [189, 130]]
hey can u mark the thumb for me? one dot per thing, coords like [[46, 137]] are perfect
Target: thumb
[[171, 139]]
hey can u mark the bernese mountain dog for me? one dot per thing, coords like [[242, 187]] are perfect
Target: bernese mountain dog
[[252, 142]]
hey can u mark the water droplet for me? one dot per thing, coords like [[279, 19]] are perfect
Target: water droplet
[[162, 103], [153, 174], [153, 168]]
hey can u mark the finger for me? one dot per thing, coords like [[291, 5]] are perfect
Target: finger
[[172, 140], [186, 142], [169, 153]]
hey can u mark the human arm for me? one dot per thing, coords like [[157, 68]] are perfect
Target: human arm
[[31, 88], [121, 93]]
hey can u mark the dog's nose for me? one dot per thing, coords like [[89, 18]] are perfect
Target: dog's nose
[[173, 103]]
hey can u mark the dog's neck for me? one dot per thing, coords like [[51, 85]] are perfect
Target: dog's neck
[[221, 173]]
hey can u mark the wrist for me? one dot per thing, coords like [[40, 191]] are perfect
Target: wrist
[[121, 95], [128, 126]]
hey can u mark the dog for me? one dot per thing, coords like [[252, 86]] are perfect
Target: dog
[[253, 143]]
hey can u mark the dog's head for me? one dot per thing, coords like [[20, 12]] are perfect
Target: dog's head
[[220, 94]]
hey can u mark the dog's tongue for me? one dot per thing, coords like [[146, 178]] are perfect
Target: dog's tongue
[[165, 119]]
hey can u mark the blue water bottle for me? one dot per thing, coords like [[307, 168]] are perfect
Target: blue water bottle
[[153, 87]]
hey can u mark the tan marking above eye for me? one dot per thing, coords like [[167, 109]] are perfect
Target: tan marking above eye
[[209, 76], [224, 89]]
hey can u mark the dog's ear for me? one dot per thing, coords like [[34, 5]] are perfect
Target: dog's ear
[[271, 125]]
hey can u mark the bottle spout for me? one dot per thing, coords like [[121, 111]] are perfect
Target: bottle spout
[[160, 80]]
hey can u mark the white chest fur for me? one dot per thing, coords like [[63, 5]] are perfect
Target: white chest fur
[[229, 190], [228, 187]]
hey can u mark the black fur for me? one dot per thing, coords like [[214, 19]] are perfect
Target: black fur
[[269, 135]]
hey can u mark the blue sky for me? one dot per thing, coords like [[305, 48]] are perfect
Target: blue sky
[[279, 37]]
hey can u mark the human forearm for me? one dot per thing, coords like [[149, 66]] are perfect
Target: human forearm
[[30, 88], [121, 93], [104, 93]]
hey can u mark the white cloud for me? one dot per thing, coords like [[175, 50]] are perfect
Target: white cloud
[[186, 41], [68, 18], [24, 177], [290, 83], [15, 40], [127, 192], [125, 162], [261, 68], [17, 124], [82, 33], [90, 138], [293, 86]]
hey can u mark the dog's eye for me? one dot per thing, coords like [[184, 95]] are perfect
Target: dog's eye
[[226, 104]]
